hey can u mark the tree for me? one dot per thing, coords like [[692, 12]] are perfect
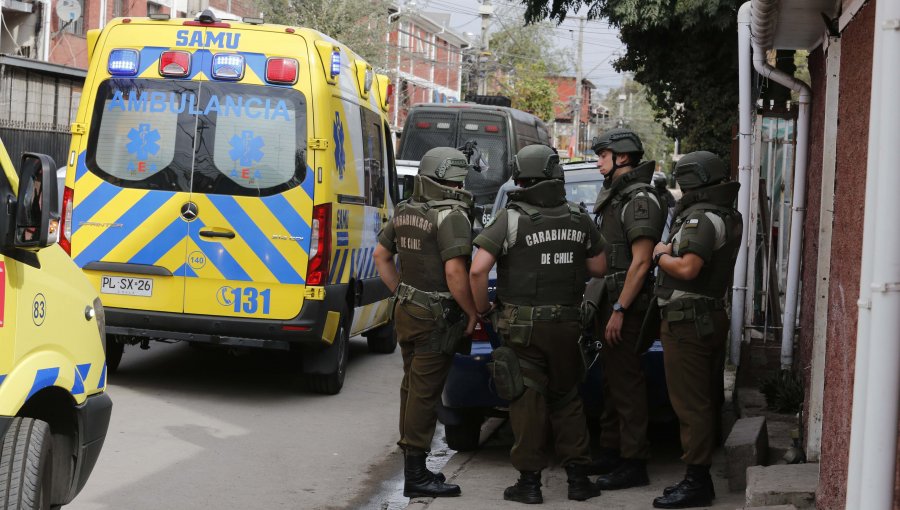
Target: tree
[[530, 90], [683, 51], [638, 115], [345, 20]]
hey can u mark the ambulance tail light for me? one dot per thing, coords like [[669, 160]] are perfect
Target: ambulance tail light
[[123, 62], [175, 64], [319, 246], [282, 71], [66, 215]]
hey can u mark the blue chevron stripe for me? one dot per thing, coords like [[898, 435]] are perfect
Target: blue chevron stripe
[[92, 203], [217, 255], [334, 264], [256, 240], [43, 378], [78, 385], [131, 221], [343, 264], [2, 377], [290, 219], [309, 183], [102, 381], [80, 167], [161, 244]]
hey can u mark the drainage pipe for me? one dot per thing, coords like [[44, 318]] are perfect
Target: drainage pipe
[[874, 453], [745, 157], [762, 26]]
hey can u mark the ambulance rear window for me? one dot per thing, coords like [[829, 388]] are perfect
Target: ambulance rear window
[[220, 138]]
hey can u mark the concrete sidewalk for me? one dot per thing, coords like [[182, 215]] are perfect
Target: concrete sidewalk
[[484, 474]]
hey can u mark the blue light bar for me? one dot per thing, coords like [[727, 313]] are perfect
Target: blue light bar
[[123, 62], [228, 66], [335, 62]]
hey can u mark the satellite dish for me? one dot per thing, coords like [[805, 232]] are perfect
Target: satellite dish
[[68, 10]]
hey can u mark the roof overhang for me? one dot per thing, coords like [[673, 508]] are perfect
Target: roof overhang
[[800, 24]]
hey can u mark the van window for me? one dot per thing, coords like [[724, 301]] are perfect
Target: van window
[[250, 140], [373, 157], [425, 131]]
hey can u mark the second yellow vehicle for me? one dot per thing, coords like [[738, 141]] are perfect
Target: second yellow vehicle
[[226, 184]]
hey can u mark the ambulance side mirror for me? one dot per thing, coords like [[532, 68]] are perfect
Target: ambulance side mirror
[[37, 205]]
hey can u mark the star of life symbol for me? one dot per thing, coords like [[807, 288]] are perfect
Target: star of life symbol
[[340, 159], [143, 141], [245, 148]]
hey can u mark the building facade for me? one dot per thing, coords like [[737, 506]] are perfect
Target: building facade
[[562, 129]]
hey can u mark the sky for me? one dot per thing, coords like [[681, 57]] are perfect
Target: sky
[[601, 42]]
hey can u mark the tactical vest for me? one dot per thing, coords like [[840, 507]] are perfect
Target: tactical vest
[[416, 223], [610, 203], [546, 264], [715, 277]]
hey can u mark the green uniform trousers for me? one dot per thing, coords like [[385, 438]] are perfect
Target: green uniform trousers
[[623, 425], [424, 374], [554, 345], [694, 376]]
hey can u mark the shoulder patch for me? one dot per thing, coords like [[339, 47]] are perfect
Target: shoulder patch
[[641, 208], [692, 223]]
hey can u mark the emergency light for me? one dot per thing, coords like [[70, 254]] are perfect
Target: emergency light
[[282, 70], [175, 64], [123, 62], [335, 63], [228, 66]]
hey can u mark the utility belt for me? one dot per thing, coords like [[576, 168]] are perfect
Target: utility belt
[[615, 282], [517, 321], [697, 310], [450, 321]]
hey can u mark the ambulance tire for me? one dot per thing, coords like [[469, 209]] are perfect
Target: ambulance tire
[[27, 465], [331, 383], [382, 339], [114, 350]]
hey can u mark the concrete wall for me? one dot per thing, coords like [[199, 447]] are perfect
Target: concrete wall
[[852, 145]]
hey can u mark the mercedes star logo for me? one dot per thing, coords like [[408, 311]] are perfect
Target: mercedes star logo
[[189, 211]]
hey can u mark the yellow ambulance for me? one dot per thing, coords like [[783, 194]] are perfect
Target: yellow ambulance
[[54, 410], [226, 184]]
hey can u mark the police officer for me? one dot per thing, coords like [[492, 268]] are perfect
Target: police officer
[[432, 234], [631, 218], [544, 247], [695, 271], [662, 190]]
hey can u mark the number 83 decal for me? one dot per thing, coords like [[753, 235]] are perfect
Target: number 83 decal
[[245, 299]]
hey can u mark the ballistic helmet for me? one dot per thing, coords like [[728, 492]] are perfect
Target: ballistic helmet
[[660, 181], [537, 162], [620, 141], [699, 169], [445, 164]]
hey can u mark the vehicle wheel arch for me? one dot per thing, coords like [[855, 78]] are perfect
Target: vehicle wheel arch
[[56, 406]]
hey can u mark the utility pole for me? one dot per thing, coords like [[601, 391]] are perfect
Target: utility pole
[[486, 10], [576, 115]]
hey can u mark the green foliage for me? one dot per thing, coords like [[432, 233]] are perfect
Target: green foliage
[[530, 90], [783, 391], [683, 51], [363, 26]]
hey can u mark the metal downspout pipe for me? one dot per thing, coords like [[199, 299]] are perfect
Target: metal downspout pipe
[[745, 157], [762, 26], [873, 443]]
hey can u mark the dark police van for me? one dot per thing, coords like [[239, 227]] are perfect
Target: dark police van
[[499, 132]]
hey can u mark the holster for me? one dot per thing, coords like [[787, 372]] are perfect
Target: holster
[[699, 311], [649, 328], [517, 321], [450, 321], [506, 372], [594, 297]]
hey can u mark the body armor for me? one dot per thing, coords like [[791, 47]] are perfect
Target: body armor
[[549, 252], [610, 203], [715, 276], [416, 223]]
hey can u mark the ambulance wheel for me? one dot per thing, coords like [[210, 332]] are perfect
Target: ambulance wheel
[[331, 383], [27, 465], [382, 339], [114, 350]]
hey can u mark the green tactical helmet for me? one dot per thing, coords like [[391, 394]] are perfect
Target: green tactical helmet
[[620, 141], [445, 164], [537, 162], [698, 169]]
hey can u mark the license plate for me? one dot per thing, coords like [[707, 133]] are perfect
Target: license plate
[[126, 286]]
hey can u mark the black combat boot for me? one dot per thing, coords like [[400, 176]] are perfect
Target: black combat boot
[[607, 460], [694, 491], [581, 487], [526, 490], [631, 473], [420, 482]]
